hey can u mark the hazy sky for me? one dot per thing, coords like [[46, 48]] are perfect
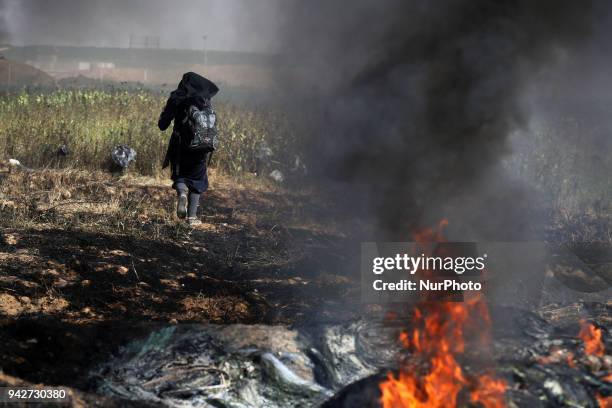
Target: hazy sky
[[250, 25]]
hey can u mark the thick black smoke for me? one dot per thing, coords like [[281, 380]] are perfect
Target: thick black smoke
[[415, 101]]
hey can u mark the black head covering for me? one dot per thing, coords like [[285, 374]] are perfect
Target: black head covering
[[195, 88]]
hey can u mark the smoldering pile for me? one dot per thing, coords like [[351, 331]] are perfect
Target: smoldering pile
[[552, 351], [544, 363]]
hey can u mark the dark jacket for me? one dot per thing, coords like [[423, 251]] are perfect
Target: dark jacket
[[187, 166]]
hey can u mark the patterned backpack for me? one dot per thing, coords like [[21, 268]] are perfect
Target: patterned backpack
[[202, 124]]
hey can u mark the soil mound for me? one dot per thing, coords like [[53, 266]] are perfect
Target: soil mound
[[14, 73]]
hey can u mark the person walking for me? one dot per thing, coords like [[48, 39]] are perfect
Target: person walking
[[189, 172]]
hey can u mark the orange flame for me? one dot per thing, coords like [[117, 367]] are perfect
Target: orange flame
[[437, 337], [591, 336], [490, 392], [593, 345], [604, 402], [558, 355], [431, 234]]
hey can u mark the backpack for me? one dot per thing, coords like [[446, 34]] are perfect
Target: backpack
[[202, 125]]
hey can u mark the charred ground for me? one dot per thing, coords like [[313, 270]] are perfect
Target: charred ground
[[88, 257]]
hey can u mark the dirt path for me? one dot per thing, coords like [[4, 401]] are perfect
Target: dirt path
[[87, 259]]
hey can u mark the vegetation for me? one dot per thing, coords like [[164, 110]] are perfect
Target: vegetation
[[91, 122], [564, 159]]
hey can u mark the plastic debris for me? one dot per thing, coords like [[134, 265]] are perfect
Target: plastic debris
[[15, 163], [299, 166], [63, 151], [123, 155], [264, 153], [277, 176]]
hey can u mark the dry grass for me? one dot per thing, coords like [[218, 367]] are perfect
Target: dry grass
[[90, 200], [88, 246], [138, 206], [565, 159], [91, 122]]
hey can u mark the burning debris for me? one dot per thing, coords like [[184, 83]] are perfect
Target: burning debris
[[441, 354], [452, 358], [591, 336], [439, 336], [537, 365]]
